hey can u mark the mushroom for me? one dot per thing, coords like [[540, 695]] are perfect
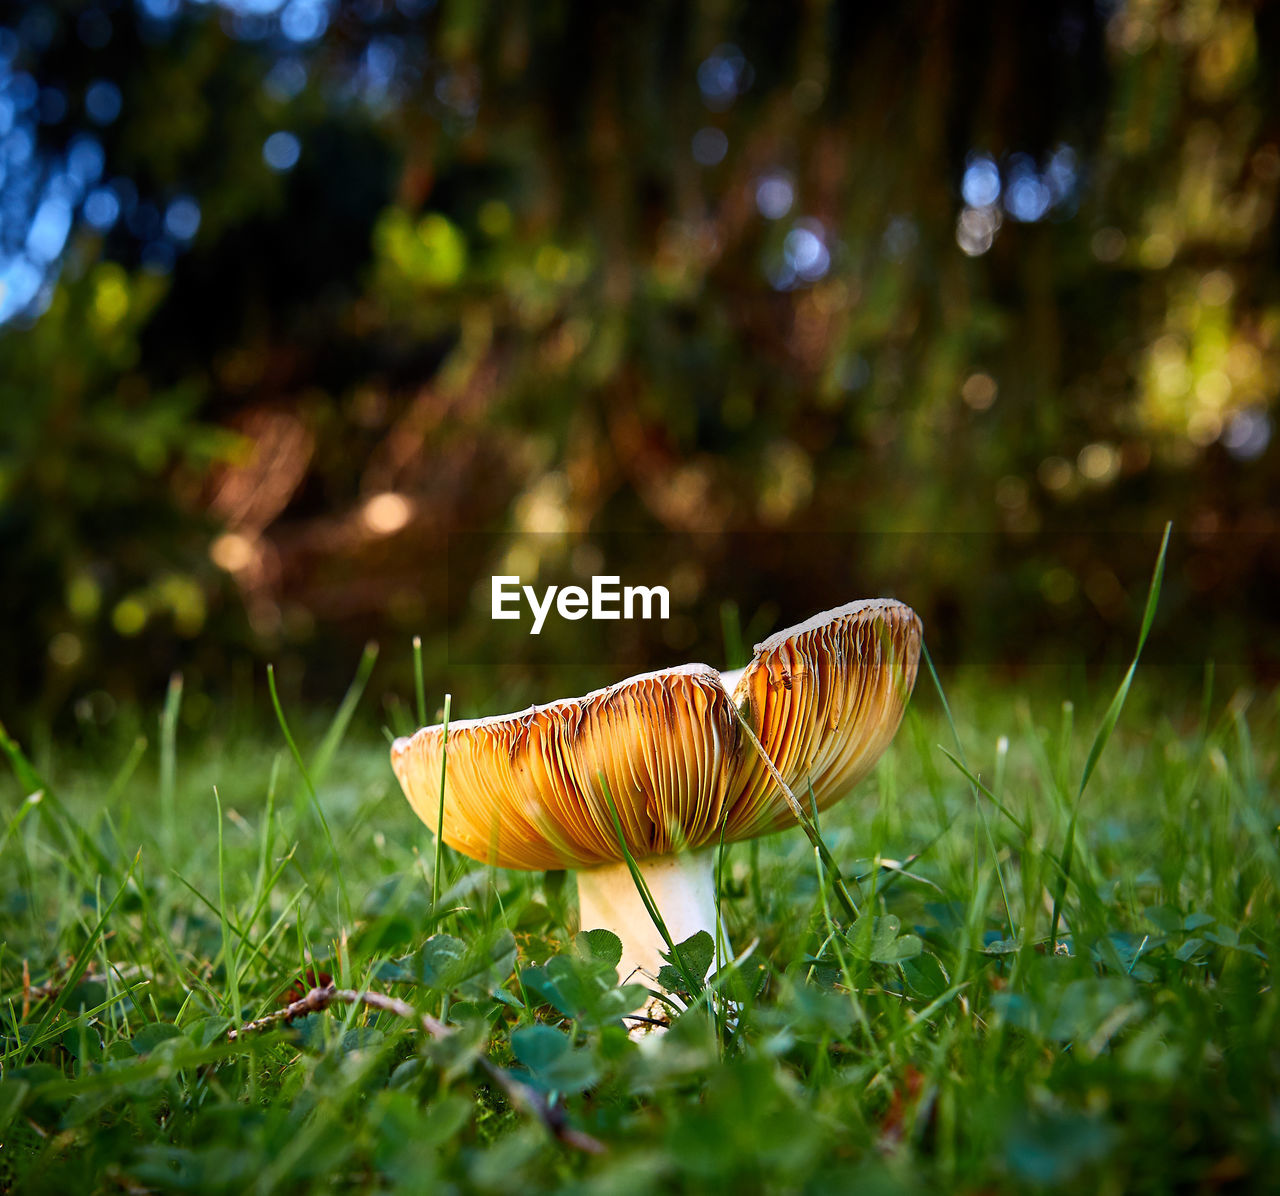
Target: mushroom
[[822, 700]]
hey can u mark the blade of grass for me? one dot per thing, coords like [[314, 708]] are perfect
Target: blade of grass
[[439, 845], [159, 934], [56, 816], [169, 754], [345, 912], [722, 944], [342, 716], [126, 770], [82, 962], [982, 813], [735, 651], [837, 880], [834, 937], [419, 688], [1108, 725], [212, 907], [693, 986], [230, 956], [39, 1039], [32, 800], [976, 782], [267, 839]]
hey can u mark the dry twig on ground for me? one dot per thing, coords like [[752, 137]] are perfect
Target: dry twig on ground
[[519, 1093]]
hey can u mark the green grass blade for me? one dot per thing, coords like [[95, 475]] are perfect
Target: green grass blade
[[127, 991], [230, 956], [735, 651], [267, 839], [694, 986], [982, 813], [55, 816], [342, 716], [976, 782], [1108, 725], [439, 845], [345, 912], [169, 755], [126, 770], [32, 800], [419, 686], [804, 819], [82, 962]]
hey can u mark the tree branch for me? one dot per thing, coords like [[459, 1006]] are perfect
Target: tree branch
[[518, 1092]]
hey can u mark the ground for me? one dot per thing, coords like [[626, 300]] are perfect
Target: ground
[[156, 897]]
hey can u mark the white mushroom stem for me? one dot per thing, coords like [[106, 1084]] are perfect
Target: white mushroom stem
[[682, 886]]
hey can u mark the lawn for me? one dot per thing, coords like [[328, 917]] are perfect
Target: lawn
[[157, 897]]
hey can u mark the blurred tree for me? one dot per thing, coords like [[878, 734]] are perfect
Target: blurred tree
[[298, 289]]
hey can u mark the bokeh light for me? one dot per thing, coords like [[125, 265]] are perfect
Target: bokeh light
[[805, 251], [709, 146], [182, 218], [775, 193], [281, 151], [976, 229], [386, 513], [304, 20], [102, 101], [981, 183], [101, 208], [723, 76]]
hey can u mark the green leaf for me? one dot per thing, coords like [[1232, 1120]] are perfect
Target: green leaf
[[440, 958], [1190, 949], [1164, 917], [813, 1013], [601, 945], [206, 1030], [152, 1035], [448, 964], [925, 975], [553, 1061], [1051, 1148], [698, 952], [906, 946], [538, 1046], [361, 1038], [878, 940], [585, 990], [13, 1095]]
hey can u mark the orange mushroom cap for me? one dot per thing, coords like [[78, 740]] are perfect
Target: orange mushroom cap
[[523, 790]]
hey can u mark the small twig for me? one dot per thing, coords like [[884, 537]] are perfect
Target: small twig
[[33, 994], [645, 1021], [518, 1092]]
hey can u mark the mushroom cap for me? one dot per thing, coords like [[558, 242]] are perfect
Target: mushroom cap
[[523, 790]]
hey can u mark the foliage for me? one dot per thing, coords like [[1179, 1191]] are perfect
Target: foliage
[[937, 1043], [966, 292]]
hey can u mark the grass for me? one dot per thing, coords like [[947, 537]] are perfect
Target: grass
[[937, 1042]]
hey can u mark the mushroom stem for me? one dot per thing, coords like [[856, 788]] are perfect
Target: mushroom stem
[[682, 886]]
